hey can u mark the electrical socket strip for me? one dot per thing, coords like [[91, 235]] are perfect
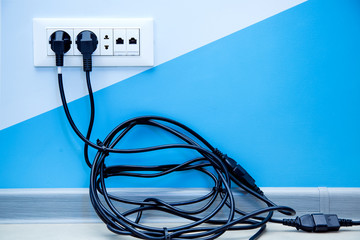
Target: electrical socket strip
[[112, 41], [121, 41]]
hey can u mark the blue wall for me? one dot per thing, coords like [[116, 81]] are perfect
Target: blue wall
[[281, 96]]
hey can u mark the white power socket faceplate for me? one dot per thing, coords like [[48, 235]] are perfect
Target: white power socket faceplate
[[121, 41]]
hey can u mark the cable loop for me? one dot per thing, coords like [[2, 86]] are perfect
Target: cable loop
[[202, 211]]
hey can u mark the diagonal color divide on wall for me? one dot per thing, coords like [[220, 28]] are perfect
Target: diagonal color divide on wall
[[180, 27], [279, 96]]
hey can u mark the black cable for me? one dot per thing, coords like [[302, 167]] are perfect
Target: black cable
[[210, 162], [204, 221], [92, 117], [356, 223]]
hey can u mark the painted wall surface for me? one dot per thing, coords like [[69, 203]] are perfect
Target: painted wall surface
[[274, 84]]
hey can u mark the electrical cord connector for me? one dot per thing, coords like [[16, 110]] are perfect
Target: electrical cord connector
[[238, 171], [318, 222], [60, 43], [86, 42]]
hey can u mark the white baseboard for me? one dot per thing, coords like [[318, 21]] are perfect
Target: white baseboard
[[73, 205]]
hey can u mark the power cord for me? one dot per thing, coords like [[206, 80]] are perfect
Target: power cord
[[225, 172]]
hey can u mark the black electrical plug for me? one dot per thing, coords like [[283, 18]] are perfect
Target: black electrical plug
[[86, 42], [238, 172], [318, 222], [60, 43]]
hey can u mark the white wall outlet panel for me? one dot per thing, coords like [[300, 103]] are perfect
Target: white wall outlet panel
[[136, 35]]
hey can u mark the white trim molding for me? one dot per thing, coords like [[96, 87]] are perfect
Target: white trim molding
[[72, 205]]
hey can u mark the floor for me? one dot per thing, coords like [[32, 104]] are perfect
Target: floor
[[98, 231]]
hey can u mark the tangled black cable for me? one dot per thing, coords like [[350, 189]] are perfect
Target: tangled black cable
[[204, 221]]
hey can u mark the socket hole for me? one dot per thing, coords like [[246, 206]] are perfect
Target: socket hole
[[132, 41], [119, 41], [106, 37], [106, 47]]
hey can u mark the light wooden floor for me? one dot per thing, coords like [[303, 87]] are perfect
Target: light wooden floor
[[98, 231]]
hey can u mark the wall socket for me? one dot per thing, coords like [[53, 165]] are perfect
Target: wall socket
[[122, 41]]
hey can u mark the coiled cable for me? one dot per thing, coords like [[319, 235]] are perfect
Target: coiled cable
[[202, 223]]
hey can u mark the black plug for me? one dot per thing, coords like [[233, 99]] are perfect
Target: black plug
[[60, 42], [86, 42], [238, 171], [317, 222]]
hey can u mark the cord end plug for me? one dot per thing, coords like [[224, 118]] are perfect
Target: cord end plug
[[60, 43], [238, 171], [315, 222], [87, 43]]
